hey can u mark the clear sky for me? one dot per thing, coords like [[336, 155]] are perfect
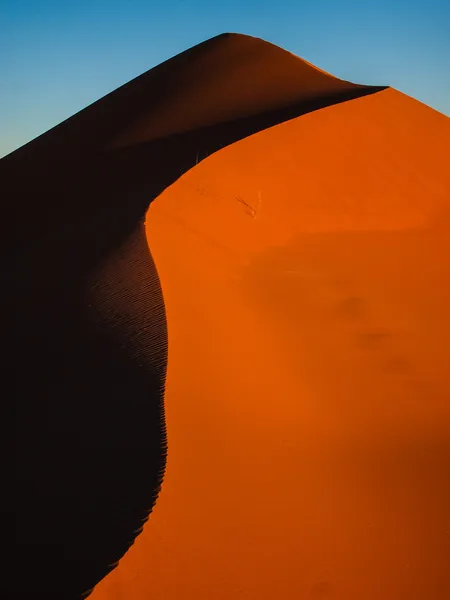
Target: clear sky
[[58, 56]]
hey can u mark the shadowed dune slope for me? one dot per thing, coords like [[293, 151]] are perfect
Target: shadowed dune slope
[[306, 278], [89, 335]]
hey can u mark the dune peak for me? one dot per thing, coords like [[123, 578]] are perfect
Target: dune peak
[[228, 77]]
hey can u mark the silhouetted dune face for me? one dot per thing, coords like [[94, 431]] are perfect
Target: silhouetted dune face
[[90, 336], [91, 362]]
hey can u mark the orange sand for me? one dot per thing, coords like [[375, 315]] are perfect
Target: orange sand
[[306, 277]]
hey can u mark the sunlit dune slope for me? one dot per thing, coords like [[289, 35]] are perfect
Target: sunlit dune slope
[[88, 341], [306, 279]]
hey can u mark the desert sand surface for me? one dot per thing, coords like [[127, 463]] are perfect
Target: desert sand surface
[[282, 316], [306, 278]]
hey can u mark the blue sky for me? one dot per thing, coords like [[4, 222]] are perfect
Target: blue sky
[[56, 57]]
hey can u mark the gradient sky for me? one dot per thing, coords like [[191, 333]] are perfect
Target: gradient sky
[[58, 56]]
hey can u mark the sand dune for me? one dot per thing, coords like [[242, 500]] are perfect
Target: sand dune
[[302, 267], [306, 278]]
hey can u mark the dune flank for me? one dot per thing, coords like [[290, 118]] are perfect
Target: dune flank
[[306, 280], [292, 277]]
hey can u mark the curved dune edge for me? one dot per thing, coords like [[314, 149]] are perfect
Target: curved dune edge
[[236, 77], [306, 273]]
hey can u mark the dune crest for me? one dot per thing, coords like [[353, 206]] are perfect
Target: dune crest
[[228, 77], [234, 77]]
